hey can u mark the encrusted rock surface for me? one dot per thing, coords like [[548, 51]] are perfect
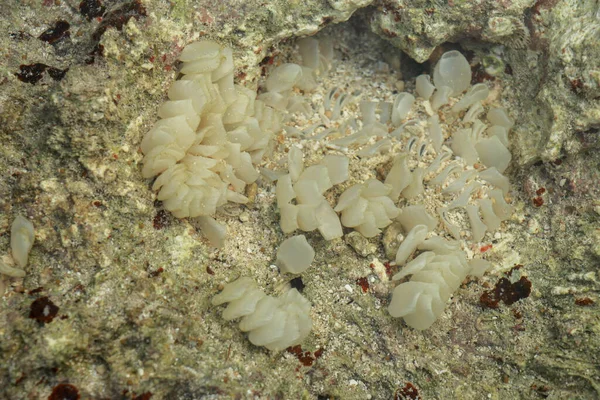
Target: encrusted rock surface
[[419, 27], [549, 47], [116, 301]]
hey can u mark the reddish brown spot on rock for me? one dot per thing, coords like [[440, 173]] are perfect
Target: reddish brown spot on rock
[[91, 9], [265, 62], [538, 201], [318, 353], [119, 17], [507, 292], [36, 290], [363, 283], [64, 391], [43, 310], [156, 273], [305, 357], [408, 392], [388, 269], [576, 85], [326, 20], [98, 50], [389, 33], [584, 301], [485, 248], [479, 75], [161, 219], [33, 73], [542, 390], [59, 32], [209, 270], [540, 191]]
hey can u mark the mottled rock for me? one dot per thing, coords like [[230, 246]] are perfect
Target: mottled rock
[[133, 289], [360, 244], [419, 27]]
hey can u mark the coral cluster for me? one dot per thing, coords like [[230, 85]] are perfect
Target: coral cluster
[[306, 187], [211, 134], [449, 143], [435, 275], [367, 207], [22, 236], [275, 323]]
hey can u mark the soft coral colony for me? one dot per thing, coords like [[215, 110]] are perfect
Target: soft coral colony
[[213, 132]]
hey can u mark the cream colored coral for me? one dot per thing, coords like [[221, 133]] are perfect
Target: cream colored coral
[[211, 134], [275, 323], [22, 236]]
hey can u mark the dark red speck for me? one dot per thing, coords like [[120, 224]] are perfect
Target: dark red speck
[[479, 75], [363, 283], [36, 290], [507, 292], [156, 273], [43, 310], [119, 17], [91, 9], [408, 392], [319, 353], [576, 84], [584, 301], [161, 219], [98, 50], [305, 357], [326, 20], [64, 391], [56, 33], [388, 269], [33, 73]]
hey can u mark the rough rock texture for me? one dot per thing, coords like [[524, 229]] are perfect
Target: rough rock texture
[[116, 301], [419, 27], [561, 108], [550, 47]]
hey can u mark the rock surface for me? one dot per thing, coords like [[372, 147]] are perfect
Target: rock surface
[[116, 301], [549, 50]]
